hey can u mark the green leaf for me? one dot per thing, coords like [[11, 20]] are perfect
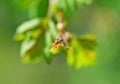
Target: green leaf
[[40, 9], [26, 26], [61, 4], [30, 49], [25, 4], [36, 33], [48, 44], [43, 8], [53, 29], [88, 41], [27, 44], [47, 55], [70, 57], [33, 10], [70, 5], [29, 25], [80, 56]]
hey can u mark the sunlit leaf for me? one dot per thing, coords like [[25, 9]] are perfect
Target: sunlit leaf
[[36, 33], [70, 57], [48, 42], [26, 26], [27, 44], [80, 55], [71, 5], [80, 59], [88, 41], [30, 49], [53, 29]]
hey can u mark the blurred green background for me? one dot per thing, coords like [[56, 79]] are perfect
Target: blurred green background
[[102, 19]]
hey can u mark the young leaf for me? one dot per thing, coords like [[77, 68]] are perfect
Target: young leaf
[[31, 48], [48, 42], [27, 45], [70, 57], [53, 29], [80, 56], [87, 41], [26, 26]]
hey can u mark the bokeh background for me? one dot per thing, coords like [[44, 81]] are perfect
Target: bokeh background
[[101, 18]]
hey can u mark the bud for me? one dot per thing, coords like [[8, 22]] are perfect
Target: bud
[[68, 36], [60, 26]]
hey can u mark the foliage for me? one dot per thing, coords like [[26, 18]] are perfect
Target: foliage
[[45, 36]]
